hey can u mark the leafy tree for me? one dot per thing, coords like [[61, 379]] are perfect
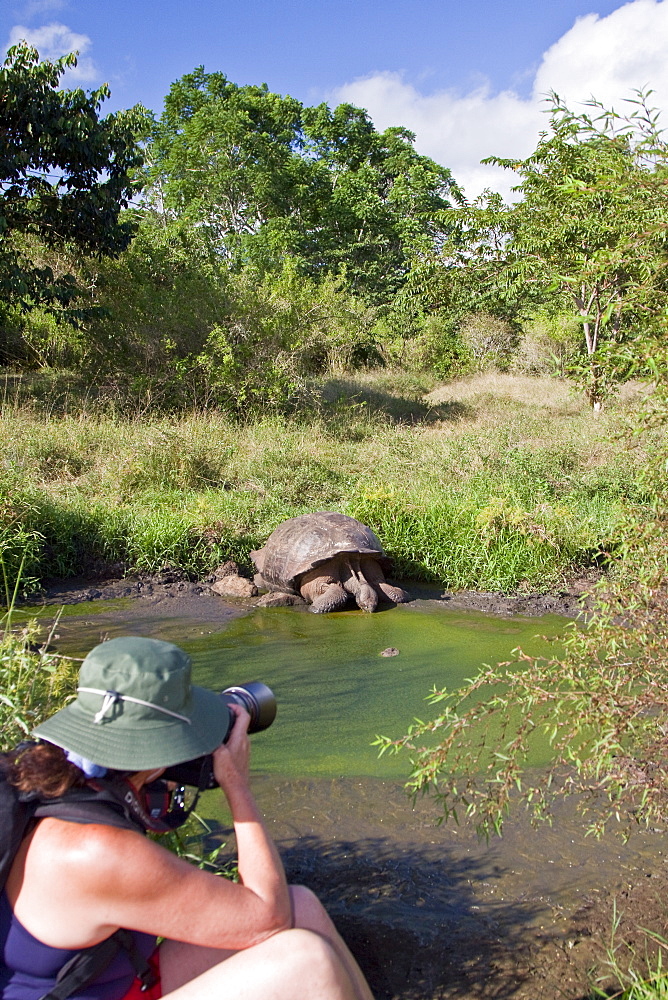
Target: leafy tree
[[272, 179], [381, 201], [590, 229], [65, 175], [587, 239], [469, 262], [454, 286], [223, 155]]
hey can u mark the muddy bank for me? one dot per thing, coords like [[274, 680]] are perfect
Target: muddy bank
[[198, 598], [432, 913], [569, 601]]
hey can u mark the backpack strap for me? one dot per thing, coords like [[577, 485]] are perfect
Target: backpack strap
[[115, 802], [88, 805], [84, 967], [15, 822]]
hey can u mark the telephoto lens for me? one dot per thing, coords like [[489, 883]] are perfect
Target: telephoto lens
[[259, 702], [257, 699]]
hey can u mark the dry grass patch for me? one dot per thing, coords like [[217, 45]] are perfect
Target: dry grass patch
[[533, 391], [530, 391]]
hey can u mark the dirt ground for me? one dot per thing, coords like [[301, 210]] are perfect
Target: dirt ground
[[429, 911], [168, 585]]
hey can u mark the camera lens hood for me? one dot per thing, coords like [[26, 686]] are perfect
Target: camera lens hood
[[257, 699]]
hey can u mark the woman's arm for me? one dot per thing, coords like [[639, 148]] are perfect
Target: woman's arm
[[74, 885], [260, 868]]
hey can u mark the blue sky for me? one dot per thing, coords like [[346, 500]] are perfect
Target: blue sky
[[467, 77]]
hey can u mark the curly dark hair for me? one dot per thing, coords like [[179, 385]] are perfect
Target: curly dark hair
[[42, 768]]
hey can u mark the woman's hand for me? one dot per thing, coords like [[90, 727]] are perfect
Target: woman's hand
[[231, 761]]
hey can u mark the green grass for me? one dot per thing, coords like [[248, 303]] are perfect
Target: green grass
[[494, 484], [34, 682], [638, 976], [654, 988]]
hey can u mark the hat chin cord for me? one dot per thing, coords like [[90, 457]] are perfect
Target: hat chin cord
[[110, 698]]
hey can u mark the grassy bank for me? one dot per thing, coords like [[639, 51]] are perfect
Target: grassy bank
[[494, 483]]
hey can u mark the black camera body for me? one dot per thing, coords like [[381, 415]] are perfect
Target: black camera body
[[259, 702]]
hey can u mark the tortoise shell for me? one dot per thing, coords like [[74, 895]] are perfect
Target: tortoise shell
[[302, 543]]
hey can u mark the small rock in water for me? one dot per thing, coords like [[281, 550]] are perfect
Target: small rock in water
[[390, 651], [234, 586]]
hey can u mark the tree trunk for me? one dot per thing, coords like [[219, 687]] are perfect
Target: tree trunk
[[594, 389], [591, 332]]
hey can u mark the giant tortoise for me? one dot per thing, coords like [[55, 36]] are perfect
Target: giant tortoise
[[326, 558]]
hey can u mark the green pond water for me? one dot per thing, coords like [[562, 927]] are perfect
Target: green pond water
[[335, 692]]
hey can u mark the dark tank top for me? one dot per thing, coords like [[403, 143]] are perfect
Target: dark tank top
[[28, 968]]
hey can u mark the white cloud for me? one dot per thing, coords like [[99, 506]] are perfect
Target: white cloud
[[55, 40], [36, 8], [610, 57], [455, 130], [605, 57]]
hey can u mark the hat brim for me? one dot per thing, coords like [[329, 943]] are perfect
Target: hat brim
[[159, 743]]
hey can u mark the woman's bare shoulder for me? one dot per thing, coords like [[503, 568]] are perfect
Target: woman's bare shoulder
[[95, 853], [119, 878]]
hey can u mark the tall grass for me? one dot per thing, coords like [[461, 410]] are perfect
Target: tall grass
[[34, 682], [33, 685], [479, 488], [654, 987]]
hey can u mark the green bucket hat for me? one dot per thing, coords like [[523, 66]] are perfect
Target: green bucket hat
[[136, 708]]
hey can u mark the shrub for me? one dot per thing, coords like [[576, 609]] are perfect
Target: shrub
[[34, 682], [548, 345], [491, 341], [159, 299]]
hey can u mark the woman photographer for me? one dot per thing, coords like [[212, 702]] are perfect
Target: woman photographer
[[74, 884]]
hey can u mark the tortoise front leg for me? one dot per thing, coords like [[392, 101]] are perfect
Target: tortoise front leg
[[333, 598], [373, 573], [394, 594], [355, 582], [323, 590]]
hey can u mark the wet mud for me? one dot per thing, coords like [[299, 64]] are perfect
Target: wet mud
[[569, 600], [429, 911], [432, 912]]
